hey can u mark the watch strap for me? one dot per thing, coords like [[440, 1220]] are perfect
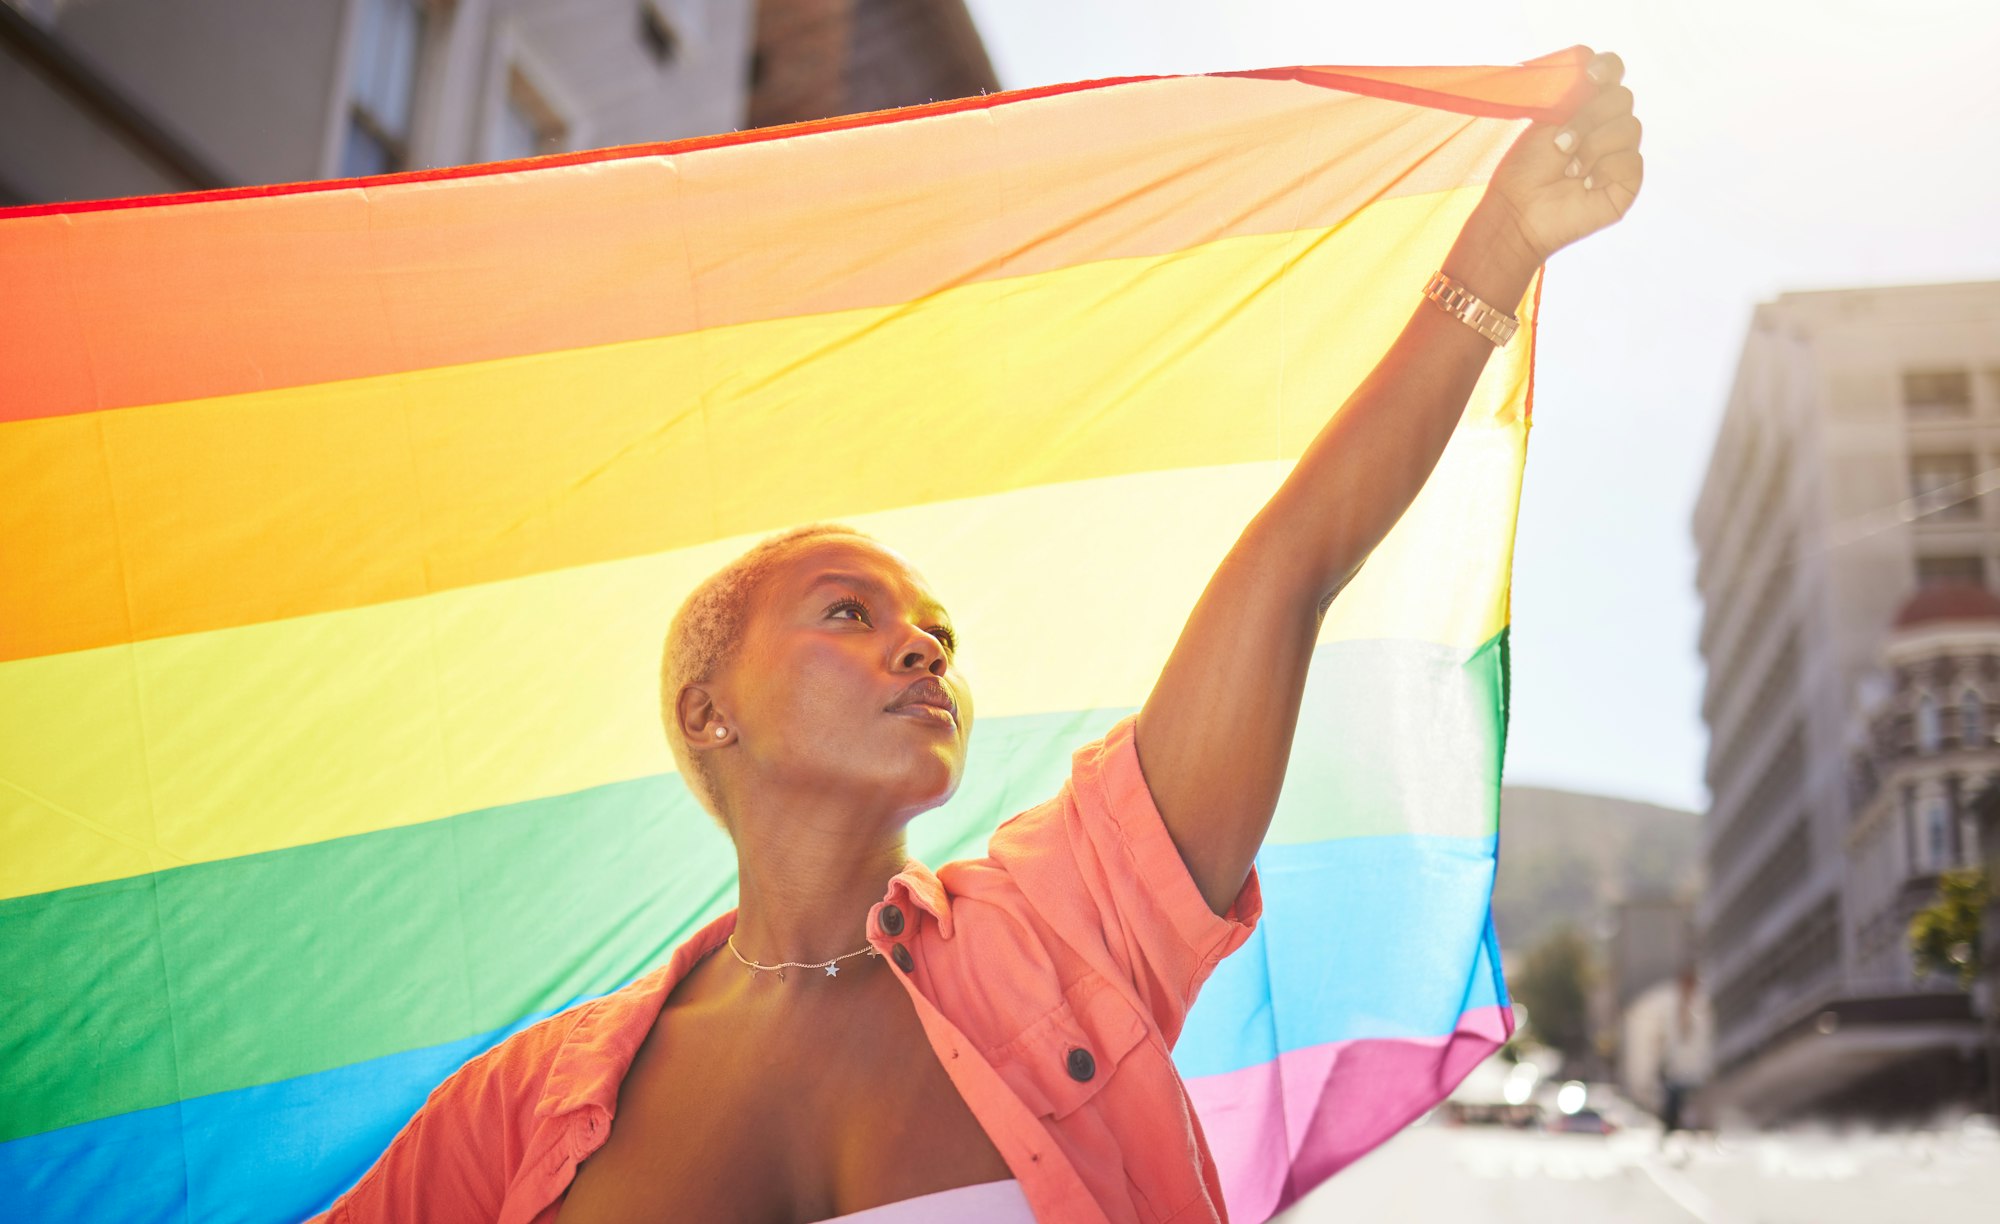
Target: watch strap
[[1471, 309]]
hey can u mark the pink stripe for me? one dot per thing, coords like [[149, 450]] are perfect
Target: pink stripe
[[1280, 1128]]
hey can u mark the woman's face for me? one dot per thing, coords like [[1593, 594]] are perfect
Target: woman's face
[[844, 644]]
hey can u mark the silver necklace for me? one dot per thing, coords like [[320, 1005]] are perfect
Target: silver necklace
[[832, 967]]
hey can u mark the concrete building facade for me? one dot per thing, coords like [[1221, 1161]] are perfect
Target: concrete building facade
[[125, 97], [1986, 993], [1652, 941], [1861, 429], [839, 57], [1923, 754]]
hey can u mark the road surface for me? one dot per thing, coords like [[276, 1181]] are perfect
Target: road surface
[[1460, 1174]]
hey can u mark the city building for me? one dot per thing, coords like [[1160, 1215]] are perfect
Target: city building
[[109, 98], [1861, 430], [1986, 993], [1652, 941], [122, 97], [1922, 753], [815, 58]]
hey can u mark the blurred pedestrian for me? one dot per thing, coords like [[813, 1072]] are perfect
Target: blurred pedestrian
[[1684, 1056]]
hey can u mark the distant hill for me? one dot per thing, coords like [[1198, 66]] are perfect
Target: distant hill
[[1570, 856]]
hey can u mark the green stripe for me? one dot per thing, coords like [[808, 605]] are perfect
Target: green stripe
[[223, 975], [216, 976], [1384, 717]]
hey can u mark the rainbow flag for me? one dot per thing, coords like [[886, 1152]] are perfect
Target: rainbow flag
[[341, 523]]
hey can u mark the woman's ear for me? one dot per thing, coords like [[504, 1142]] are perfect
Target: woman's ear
[[701, 725]]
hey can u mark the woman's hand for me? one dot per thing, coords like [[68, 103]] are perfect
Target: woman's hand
[[1563, 182]]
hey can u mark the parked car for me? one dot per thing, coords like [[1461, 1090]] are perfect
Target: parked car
[[1582, 1122]]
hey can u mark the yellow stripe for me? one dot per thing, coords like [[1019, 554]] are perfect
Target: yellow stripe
[[132, 758], [185, 518]]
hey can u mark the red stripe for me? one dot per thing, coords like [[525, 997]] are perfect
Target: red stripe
[[1521, 99], [1557, 110]]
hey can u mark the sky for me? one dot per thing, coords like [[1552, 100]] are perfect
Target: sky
[[1789, 146]]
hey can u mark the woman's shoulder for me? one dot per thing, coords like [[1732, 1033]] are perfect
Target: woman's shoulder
[[526, 1065], [504, 1105], [517, 1066]]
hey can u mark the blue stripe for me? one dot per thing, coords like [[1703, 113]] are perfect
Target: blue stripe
[[274, 1152], [1373, 936], [1394, 929]]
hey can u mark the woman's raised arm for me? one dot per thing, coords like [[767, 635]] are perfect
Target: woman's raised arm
[[1215, 733]]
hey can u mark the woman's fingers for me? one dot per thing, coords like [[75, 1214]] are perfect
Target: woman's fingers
[[1560, 183], [1617, 136], [1618, 175], [1611, 101], [1600, 126]]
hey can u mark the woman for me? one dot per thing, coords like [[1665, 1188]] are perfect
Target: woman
[[865, 1040]]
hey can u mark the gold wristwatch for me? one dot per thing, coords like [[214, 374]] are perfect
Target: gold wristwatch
[[1472, 310]]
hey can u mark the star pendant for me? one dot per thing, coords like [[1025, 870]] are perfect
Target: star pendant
[[832, 970]]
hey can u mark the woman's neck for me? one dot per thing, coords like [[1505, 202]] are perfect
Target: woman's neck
[[805, 890]]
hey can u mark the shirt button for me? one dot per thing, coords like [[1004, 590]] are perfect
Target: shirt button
[[901, 955], [1081, 1065], [892, 920]]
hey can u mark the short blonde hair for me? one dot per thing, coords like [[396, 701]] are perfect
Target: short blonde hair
[[706, 632]]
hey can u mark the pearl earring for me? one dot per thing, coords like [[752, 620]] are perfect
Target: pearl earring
[[721, 731]]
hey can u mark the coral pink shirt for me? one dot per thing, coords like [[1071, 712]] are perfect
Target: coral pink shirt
[[1051, 977]]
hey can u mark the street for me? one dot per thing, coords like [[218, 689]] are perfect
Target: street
[[1436, 1172]]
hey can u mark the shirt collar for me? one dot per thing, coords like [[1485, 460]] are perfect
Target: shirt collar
[[591, 1064], [593, 1059], [919, 886]]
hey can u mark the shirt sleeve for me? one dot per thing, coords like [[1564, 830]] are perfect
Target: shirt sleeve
[[1098, 865]]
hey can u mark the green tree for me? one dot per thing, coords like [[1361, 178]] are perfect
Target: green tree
[[1944, 936], [1554, 985]]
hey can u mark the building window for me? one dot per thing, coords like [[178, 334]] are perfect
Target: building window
[[657, 34], [1971, 720], [1937, 394], [1934, 833], [1930, 729], [1935, 481], [529, 125], [1911, 852], [1861, 780], [1933, 570], [382, 86]]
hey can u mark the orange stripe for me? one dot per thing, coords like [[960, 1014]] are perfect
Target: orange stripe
[[149, 305], [177, 518]]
